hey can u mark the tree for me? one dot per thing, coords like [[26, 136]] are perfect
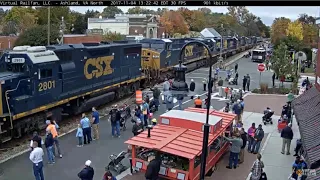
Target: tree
[[173, 22], [198, 22], [279, 29], [205, 10], [110, 36], [310, 33], [295, 29], [186, 14], [56, 14], [37, 36], [79, 22], [111, 11], [139, 10], [306, 19], [23, 17], [280, 61]]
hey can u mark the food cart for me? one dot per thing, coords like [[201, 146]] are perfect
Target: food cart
[[178, 139]]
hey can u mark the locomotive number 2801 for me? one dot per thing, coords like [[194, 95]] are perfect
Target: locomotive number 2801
[[46, 85]]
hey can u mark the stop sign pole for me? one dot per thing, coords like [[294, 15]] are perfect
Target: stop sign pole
[[261, 68]]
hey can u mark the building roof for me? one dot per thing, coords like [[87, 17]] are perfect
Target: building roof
[[192, 116], [176, 140], [307, 111], [173, 140], [210, 33]]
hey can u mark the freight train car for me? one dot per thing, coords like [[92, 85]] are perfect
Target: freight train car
[[160, 55], [37, 82]]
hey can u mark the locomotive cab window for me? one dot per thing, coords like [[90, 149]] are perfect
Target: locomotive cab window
[[45, 73]]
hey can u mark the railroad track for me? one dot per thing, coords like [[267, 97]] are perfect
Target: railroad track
[[16, 146]]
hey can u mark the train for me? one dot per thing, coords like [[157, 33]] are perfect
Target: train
[[51, 81]]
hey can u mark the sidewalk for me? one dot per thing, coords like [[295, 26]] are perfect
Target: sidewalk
[[277, 165]]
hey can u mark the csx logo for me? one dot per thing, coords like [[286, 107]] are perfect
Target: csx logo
[[97, 67], [188, 51]]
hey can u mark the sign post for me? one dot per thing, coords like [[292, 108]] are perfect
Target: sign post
[[261, 68]]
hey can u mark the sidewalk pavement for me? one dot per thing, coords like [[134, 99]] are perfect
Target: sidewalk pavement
[[277, 165]]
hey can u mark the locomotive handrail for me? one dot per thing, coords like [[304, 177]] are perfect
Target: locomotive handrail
[[7, 100]]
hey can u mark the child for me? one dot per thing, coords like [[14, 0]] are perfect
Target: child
[[79, 135], [49, 142]]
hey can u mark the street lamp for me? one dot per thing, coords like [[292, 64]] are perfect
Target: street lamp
[[206, 125]]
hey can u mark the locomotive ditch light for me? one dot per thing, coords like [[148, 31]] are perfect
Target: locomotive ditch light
[[179, 85]]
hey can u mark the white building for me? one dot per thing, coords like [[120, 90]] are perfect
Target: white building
[[145, 25], [119, 25]]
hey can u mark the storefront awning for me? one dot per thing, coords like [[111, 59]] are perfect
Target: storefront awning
[[307, 111]]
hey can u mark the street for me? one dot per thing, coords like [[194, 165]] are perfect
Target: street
[[99, 151]]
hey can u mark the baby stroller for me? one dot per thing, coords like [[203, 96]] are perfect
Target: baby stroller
[[153, 106], [115, 163], [125, 112], [267, 118], [232, 81]]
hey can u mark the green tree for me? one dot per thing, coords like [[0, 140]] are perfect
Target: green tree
[[79, 23], [281, 63], [23, 18], [110, 36], [56, 13], [37, 36], [111, 11], [139, 10]]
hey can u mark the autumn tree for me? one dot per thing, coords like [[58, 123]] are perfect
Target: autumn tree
[[111, 11], [173, 22], [294, 29], [186, 14], [198, 22], [279, 29], [37, 36], [310, 30]]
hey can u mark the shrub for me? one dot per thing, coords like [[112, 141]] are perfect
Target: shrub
[[255, 91], [284, 90], [263, 88]]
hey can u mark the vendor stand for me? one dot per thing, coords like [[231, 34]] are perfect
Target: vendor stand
[[178, 140]]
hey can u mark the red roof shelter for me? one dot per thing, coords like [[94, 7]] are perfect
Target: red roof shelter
[[182, 136]]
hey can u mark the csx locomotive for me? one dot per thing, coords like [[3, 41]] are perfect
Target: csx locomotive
[[39, 82]]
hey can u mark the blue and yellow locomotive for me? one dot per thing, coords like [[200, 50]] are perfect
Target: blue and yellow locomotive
[[39, 82]]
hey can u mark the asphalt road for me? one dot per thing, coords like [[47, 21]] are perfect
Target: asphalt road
[[99, 151]]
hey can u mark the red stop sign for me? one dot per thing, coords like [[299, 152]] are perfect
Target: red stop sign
[[261, 67]]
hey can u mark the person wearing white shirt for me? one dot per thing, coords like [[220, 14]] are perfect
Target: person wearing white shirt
[[36, 157]]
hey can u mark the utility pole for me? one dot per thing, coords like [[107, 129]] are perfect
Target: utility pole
[[48, 35], [221, 46]]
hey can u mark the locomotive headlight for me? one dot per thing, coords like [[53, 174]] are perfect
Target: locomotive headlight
[[155, 56]]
